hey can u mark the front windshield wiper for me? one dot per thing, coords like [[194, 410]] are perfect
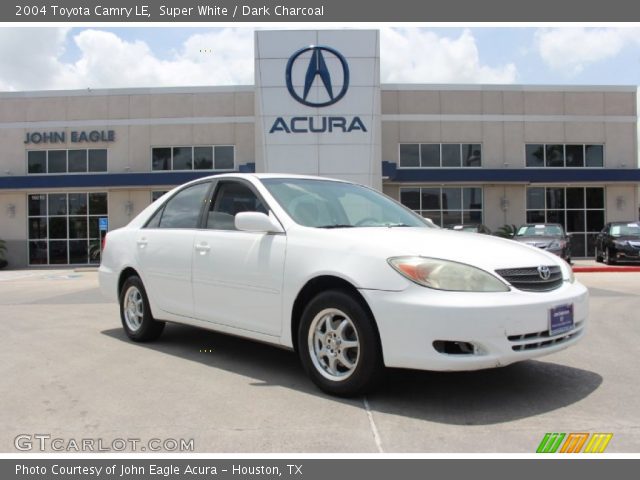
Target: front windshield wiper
[[391, 225], [337, 225]]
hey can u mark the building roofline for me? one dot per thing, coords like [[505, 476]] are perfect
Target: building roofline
[[508, 87], [90, 92], [384, 87]]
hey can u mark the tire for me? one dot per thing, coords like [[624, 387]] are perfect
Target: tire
[[135, 312], [330, 321], [598, 256], [607, 259]]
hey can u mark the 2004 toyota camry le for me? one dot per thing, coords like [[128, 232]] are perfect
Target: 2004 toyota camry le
[[346, 276]]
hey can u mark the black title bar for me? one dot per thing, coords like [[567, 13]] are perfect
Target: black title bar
[[85, 11]]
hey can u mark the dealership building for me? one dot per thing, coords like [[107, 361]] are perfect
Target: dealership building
[[77, 163]]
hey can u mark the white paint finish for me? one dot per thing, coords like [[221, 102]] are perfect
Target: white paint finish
[[238, 281], [359, 256], [301, 159]]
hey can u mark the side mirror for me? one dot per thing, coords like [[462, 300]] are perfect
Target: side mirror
[[257, 222]]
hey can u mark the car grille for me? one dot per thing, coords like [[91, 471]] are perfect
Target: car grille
[[537, 340], [530, 280]]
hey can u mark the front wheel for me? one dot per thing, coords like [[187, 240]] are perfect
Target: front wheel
[[338, 344], [608, 258], [135, 312]]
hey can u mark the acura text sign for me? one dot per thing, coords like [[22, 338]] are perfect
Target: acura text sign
[[75, 136]]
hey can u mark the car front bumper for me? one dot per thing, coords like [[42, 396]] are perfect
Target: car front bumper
[[502, 328]]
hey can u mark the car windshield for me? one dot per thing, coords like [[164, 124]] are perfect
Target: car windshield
[[628, 230], [329, 204], [540, 231]]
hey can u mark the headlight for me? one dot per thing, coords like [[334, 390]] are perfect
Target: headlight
[[558, 244], [567, 272], [446, 275]]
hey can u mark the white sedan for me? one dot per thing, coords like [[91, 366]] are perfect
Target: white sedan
[[349, 278]]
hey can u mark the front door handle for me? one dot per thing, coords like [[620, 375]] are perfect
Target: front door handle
[[203, 248], [142, 243]]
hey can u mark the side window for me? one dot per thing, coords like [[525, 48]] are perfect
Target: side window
[[232, 198], [183, 209], [155, 220]]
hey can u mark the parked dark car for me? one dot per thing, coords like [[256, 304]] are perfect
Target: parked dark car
[[618, 242], [470, 227], [547, 236]]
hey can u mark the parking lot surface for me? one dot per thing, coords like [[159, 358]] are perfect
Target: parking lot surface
[[68, 371]]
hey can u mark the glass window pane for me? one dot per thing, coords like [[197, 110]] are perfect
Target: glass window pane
[[471, 216], [430, 199], [37, 253], [555, 216], [37, 162], [535, 216], [161, 158], [595, 220], [434, 216], [535, 198], [555, 155], [97, 203], [57, 227], [555, 197], [575, 155], [451, 199], [235, 197], [575, 221], [183, 209], [451, 218], [578, 245], [410, 198], [595, 197], [409, 155], [471, 155], [58, 252], [535, 155], [430, 154], [94, 227], [57, 204], [77, 204], [37, 228], [472, 198], [575, 197], [451, 155], [77, 227], [38, 205], [595, 155], [98, 160], [223, 157], [78, 251], [182, 158], [202, 158], [94, 251], [591, 244], [77, 161], [155, 195], [57, 161]]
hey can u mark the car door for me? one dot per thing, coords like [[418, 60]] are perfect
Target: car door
[[164, 250], [238, 276]]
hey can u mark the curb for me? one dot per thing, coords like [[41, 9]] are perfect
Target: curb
[[605, 269]]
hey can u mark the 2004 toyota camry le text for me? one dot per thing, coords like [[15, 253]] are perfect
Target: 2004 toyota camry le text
[[350, 279]]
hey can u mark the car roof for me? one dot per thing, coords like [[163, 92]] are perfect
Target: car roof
[[262, 176]]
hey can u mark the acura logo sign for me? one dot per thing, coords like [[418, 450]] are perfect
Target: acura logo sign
[[317, 67], [544, 272]]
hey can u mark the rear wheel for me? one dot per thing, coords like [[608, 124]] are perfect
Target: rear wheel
[[338, 344], [135, 312]]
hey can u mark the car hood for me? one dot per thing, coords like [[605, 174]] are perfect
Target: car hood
[[484, 251], [627, 238], [537, 240]]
